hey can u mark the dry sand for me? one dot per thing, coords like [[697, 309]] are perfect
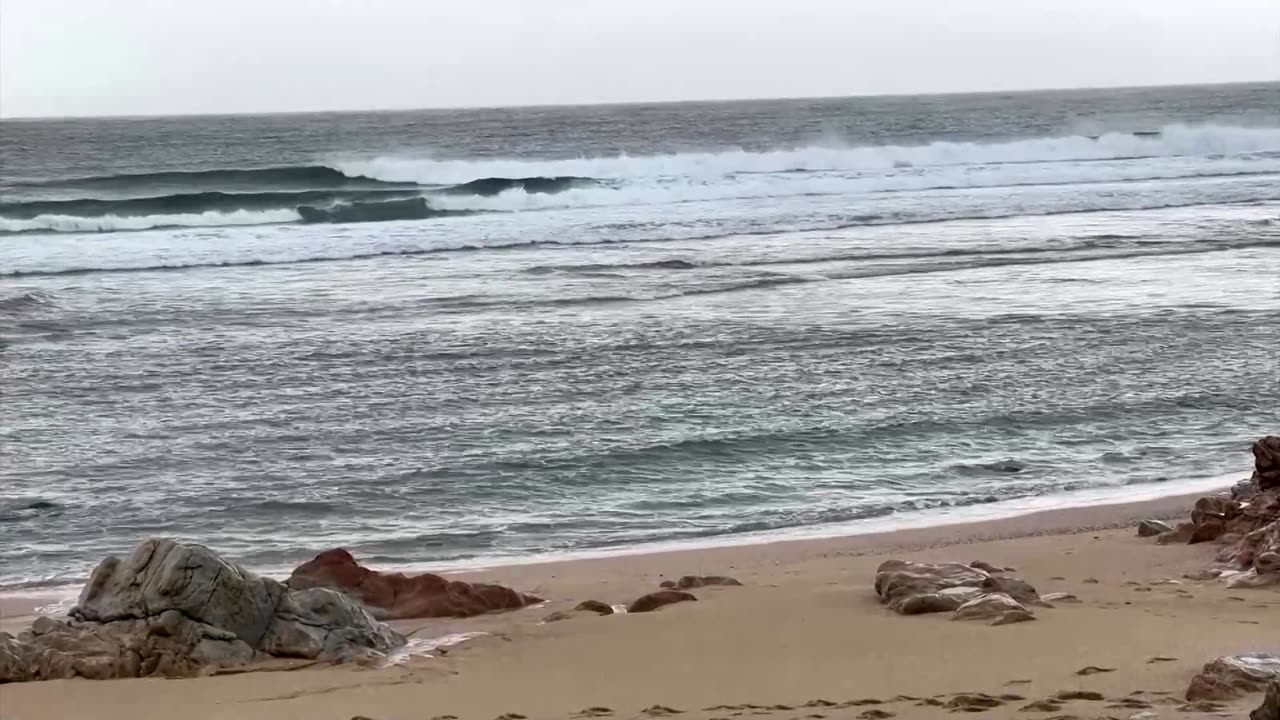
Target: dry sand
[[803, 639]]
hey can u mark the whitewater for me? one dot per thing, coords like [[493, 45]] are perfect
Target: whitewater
[[588, 330], [1178, 152]]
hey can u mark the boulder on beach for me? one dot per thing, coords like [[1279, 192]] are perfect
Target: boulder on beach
[[1152, 528], [662, 598], [968, 590], [176, 610], [996, 607], [394, 596], [688, 582], [1266, 463], [1227, 678]]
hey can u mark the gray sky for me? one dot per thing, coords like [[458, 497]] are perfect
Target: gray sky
[[95, 57]]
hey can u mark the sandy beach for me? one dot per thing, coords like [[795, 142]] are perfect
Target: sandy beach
[[804, 637]]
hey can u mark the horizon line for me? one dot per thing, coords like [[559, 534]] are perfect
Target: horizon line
[[625, 103]]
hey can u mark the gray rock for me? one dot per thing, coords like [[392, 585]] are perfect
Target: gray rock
[[1230, 677], [991, 606], [175, 610], [1019, 590], [325, 624], [14, 665], [896, 579], [1151, 528], [163, 575], [1060, 597]]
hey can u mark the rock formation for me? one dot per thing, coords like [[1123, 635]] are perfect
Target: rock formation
[[1151, 528], [1227, 678], [1270, 707], [394, 596], [1266, 463], [177, 610], [1246, 522], [968, 591]]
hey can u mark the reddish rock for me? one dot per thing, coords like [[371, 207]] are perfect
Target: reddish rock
[[1214, 507], [662, 598], [392, 596], [1207, 531], [1180, 535], [1266, 463]]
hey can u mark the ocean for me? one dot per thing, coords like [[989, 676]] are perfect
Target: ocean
[[459, 337]]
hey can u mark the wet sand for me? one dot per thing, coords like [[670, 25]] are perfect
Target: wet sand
[[804, 638]]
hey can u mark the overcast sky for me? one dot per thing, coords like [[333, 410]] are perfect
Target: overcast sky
[[97, 57]]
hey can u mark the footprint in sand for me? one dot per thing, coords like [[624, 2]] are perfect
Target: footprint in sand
[[512, 716], [1094, 670], [594, 712], [661, 711], [1042, 706], [1160, 659], [875, 714]]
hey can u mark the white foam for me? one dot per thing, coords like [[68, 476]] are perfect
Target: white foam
[[938, 517], [1173, 141], [104, 223]]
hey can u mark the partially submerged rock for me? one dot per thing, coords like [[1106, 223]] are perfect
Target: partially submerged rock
[[1230, 677], [177, 610], [662, 598], [394, 596]]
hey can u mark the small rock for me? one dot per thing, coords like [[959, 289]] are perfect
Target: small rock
[[1080, 695], [973, 702], [689, 582], [1090, 581], [875, 714], [668, 584], [1144, 715], [1094, 670], [985, 566], [1010, 617], [557, 617], [595, 606], [661, 711], [1042, 706], [1151, 528], [1061, 597], [662, 598], [1160, 659]]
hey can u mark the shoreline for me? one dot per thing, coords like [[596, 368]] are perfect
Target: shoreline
[[952, 526], [1171, 497], [805, 628]]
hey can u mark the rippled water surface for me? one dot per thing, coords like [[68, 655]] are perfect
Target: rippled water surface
[[596, 327]]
